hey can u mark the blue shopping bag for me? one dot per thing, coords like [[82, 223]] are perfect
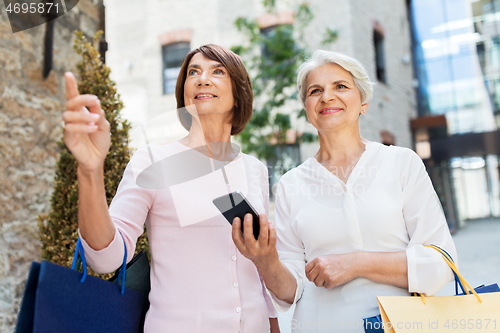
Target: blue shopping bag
[[59, 299]]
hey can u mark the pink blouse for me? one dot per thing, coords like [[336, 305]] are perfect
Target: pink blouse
[[199, 280]]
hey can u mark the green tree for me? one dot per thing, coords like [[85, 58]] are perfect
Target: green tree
[[58, 229], [273, 57]]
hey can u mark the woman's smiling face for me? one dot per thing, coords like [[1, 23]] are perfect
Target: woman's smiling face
[[208, 87], [332, 99]]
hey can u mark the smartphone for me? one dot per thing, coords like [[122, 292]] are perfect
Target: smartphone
[[234, 205]]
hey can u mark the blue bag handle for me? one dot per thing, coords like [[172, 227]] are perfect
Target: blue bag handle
[[79, 248], [457, 280], [123, 271]]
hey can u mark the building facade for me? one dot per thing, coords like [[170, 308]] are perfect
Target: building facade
[[147, 43], [457, 61]]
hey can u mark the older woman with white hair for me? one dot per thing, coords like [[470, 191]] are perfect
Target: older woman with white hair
[[351, 221]]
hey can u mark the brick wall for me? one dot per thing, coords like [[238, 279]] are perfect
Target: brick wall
[[394, 102]]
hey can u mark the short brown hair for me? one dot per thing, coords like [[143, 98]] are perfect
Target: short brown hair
[[242, 86]]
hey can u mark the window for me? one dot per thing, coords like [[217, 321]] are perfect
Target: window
[[387, 138], [378, 42], [285, 158], [275, 27], [277, 43], [267, 33], [172, 55]]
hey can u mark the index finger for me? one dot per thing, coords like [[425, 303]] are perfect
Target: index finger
[[248, 235], [236, 231], [71, 86]]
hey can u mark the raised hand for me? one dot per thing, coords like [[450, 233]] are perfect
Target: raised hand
[[86, 131]]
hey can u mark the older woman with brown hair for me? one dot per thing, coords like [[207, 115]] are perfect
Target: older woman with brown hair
[[199, 280], [352, 220]]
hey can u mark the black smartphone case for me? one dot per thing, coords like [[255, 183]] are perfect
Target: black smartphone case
[[234, 205]]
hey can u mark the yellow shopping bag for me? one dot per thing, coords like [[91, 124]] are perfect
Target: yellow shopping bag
[[461, 313]]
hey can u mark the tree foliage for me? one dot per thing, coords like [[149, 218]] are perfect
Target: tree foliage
[[58, 229], [273, 57]]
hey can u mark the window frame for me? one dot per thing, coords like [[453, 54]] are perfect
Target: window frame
[[378, 46], [165, 64]]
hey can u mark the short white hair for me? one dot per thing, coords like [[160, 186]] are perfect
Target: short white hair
[[353, 66]]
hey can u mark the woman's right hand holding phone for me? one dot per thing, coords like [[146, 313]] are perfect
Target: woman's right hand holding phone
[[263, 254], [262, 251], [86, 131]]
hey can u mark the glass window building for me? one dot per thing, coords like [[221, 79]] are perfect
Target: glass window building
[[456, 53]]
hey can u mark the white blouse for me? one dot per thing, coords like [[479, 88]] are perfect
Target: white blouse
[[388, 204]]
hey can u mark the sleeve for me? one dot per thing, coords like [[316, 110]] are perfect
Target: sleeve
[[290, 248], [128, 210], [269, 303], [426, 224]]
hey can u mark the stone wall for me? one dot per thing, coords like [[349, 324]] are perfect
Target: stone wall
[[30, 127]]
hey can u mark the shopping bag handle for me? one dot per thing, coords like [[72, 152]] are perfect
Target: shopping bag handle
[[79, 249], [458, 282], [123, 270], [454, 268], [448, 258]]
